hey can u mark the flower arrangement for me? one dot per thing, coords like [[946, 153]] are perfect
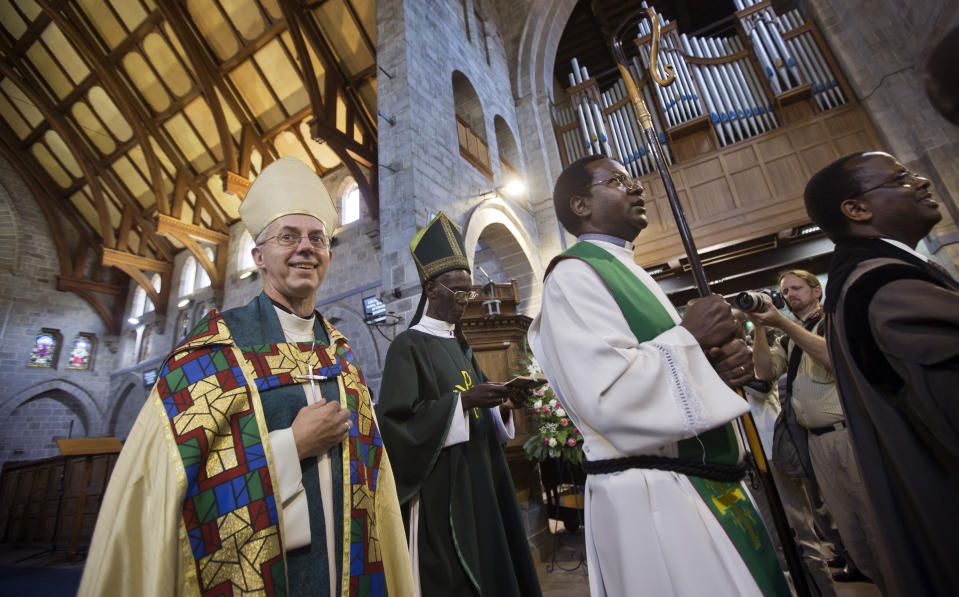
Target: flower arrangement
[[555, 436]]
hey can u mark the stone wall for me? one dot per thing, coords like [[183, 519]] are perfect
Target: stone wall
[[882, 56], [37, 405], [419, 46]]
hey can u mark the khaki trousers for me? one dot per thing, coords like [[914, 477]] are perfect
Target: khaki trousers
[[840, 482]]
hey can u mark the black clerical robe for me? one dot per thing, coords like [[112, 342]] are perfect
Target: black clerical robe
[[893, 337], [470, 533]]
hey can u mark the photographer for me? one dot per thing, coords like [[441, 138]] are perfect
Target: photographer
[[811, 390]]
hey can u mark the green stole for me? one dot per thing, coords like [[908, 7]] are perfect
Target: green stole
[[728, 501], [256, 324]]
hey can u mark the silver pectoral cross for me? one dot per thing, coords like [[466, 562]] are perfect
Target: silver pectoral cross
[[310, 377]]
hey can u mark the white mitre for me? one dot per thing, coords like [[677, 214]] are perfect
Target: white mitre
[[285, 187]]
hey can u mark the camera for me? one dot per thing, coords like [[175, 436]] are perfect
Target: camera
[[752, 301]]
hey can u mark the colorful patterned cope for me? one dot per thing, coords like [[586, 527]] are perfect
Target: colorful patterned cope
[[229, 509]]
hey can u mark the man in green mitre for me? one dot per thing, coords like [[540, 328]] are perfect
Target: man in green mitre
[[256, 466], [444, 424]]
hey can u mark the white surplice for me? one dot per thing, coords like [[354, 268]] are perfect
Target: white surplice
[[648, 532]]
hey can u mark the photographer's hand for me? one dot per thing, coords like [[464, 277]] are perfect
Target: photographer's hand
[[770, 315], [762, 358], [813, 344]]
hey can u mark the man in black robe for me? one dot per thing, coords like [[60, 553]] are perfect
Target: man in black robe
[[443, 425], [893, 337]]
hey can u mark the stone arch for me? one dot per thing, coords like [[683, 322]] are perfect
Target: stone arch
[[467, 105], [76, 401], [129, 401], [10, 239], [500, 230], [506, 148], [536, 55], [91, 409], [362, 339]]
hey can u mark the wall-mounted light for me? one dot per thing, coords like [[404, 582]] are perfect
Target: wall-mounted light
[[133, 321], [513, 189], [248, 274], [183, 303]]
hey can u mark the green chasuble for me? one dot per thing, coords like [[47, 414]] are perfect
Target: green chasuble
[[471, 536], [728, 501]]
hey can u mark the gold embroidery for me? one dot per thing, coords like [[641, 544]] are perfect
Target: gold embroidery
[[727, 502]]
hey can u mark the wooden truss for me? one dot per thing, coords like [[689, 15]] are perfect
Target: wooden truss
[[138, 126]]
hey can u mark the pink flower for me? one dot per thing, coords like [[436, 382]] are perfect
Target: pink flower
[[545, 408], [564, 422], [540, 392], [577, 431], [545, 441], [571, 442]]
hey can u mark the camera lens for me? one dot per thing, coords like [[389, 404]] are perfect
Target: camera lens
[[749, 301]]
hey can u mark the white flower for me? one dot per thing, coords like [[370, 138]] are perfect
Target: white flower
[[538, 404], [560, 412], [552, 442], [553, 403]]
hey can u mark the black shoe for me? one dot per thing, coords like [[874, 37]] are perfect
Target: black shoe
[[850, 575], [836, 562]]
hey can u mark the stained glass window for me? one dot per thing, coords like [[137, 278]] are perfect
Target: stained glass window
[[81, 353], [46, 347]]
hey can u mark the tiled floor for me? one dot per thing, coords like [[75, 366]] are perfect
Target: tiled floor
[[566, 576], [34, 570]]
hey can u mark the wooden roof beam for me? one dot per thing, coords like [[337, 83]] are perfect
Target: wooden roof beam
[[96, 61], [189, 234], [70, 138], [134, 266], [205, 74]]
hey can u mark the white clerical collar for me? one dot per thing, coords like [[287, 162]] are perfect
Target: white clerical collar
[[435, 327], [906, 248], [294, 324], [607, 238]]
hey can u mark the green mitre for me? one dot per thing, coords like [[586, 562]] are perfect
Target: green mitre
[[438, 248]]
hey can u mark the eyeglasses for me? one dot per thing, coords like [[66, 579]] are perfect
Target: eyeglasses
[[288, 239], [905, 180], [620, 180], [460, 295]]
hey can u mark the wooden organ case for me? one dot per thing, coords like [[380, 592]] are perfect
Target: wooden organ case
[[751, 116]]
